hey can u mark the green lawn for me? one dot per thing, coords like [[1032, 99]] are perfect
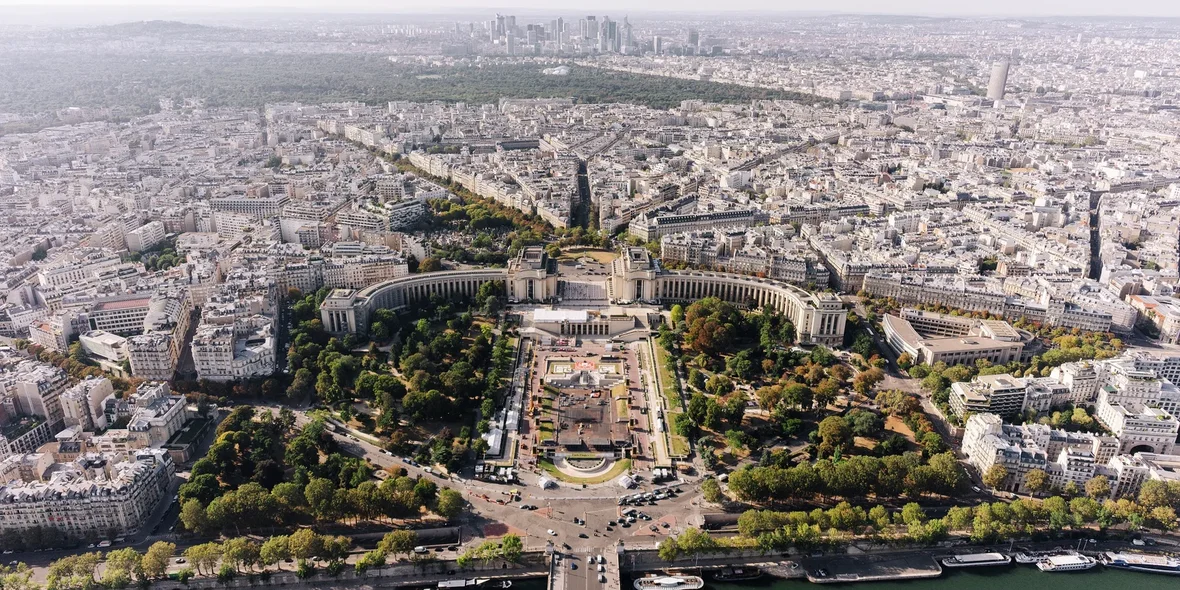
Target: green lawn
[[667, 383], [619, 468], [545, 430], [678, 444]]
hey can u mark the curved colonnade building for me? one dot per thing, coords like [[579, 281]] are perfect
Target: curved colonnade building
[[635, 277]]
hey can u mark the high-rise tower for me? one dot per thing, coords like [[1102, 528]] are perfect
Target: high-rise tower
[[999, 79]]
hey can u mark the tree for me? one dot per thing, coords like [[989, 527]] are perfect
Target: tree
[[119, 567], [912, 514], [205, 556], [240, 552], [712, 491], [305, 544], [1154, 493], [677, 314], [430, 264], [156, 559], [450, 503], [275, 550], [194, 517], [864, 423], [905, 361], [1098, 487], [833, 434], [73, 572], [799, 396], [669, 549], [398, 542], [18, 577], [865, 381], [511, 548], [995, 476], [1036, 480]]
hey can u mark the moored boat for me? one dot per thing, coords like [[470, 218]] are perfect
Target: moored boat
[[1026, 559], [976, 560], [1072, 562], [1142, 562], [669, 583], [459, 584], [736, 574]]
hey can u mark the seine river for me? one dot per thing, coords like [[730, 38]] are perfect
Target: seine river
[[1022, 577]]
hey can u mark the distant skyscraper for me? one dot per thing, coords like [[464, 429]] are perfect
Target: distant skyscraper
[[694, 38], [999, 79], [511, 43], [658, 45]]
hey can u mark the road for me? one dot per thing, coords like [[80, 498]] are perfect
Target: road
[[556, 507]]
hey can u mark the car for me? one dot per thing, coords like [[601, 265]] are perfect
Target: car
[[1138, 542], [976, 489], [573, 565], [288, 560], [119, 539], [601, 559], [7, 552], [524, 506], [625, 525], [90, 546], [420, 550], [610, 529], [104, 544], [583, 536], [551, 533], [654, 528], [180, 560], [601, 579], [665, 525]]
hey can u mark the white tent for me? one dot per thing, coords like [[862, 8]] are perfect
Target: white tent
[[546, 483], [626, 482]]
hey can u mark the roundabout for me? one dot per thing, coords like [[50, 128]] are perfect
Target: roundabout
[[605, 471]]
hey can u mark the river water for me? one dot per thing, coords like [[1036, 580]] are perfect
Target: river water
[[1014, 577]]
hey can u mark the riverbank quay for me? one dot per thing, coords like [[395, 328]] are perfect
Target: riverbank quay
[[841, 569]]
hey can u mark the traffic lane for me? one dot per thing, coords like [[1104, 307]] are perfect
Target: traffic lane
[[585, 576]]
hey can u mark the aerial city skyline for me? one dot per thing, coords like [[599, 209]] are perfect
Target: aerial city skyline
[[587, 298]]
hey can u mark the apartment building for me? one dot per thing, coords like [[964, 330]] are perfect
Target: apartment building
[[1003, 395], [146, 236], [89, 498], [82, 404], [244, 349], [35, 389], [151, 356]]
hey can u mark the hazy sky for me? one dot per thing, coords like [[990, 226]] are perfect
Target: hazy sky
[[927, 7]]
